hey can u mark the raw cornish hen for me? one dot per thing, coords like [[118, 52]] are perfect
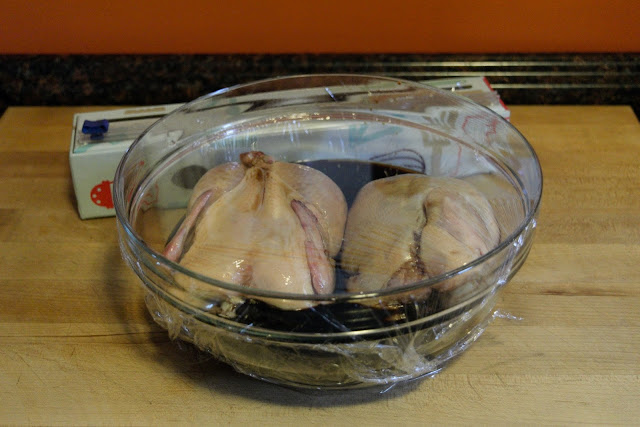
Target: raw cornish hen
[[263, 224], [412, 227]]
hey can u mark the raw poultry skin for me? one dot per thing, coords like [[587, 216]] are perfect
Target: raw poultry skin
[[412, 227], [263, 224]]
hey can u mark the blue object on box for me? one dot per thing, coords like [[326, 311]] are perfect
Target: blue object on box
[[95, 128]]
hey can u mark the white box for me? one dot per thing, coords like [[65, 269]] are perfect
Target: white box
[[93, 162]]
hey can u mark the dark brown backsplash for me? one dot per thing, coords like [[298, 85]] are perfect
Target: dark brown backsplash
[[159, 79]]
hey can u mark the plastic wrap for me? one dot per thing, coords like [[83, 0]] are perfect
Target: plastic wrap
[[269, 294], [384, 359]]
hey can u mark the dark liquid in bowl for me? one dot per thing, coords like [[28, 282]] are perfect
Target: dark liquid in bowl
[[352, 175]]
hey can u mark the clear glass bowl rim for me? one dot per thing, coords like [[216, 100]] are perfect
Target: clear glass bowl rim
[[121, 211]]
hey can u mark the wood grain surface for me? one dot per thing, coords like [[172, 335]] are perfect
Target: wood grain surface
[[77, 346]]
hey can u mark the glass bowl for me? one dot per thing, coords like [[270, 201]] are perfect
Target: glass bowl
[[339, 124]]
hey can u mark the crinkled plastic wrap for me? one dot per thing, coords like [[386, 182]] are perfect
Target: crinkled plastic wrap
[[383, 359], [321, 132]]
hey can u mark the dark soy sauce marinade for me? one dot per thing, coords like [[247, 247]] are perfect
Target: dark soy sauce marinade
[[350, 176]]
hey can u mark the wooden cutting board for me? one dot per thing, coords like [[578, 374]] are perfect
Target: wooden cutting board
[[77, 346]]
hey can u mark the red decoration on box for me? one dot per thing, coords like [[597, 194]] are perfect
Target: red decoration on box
[[101, 195]]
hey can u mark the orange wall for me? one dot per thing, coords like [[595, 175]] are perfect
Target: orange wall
[[316, 26]]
